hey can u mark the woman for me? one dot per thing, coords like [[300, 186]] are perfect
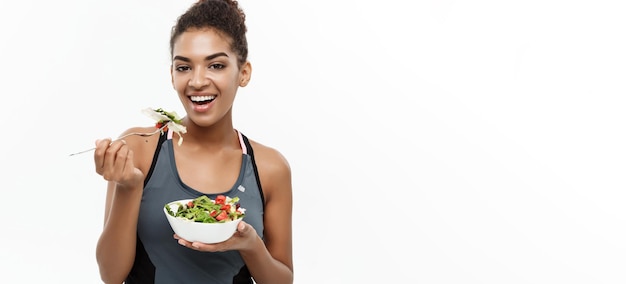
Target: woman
[[209, 63]]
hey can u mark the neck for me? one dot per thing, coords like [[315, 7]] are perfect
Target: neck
[[217, 136]]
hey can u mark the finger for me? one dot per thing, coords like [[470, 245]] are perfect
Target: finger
[[241, 227], [219, 247], [99, 153], [121, 160], [129, 165], [184, 243], [110, 157]]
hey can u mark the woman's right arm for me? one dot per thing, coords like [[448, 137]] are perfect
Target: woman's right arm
[[115, 251], [124, 170]]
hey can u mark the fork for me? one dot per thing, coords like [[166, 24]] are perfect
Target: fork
[[124, 136]]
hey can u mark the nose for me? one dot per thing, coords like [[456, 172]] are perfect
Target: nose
[[199, 79]]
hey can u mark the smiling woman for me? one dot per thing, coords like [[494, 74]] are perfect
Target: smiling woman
[[497, 124], [208, 65]]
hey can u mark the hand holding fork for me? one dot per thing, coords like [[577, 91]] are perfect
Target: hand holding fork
[[124, 136]]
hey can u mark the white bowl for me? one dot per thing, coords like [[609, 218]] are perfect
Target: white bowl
[[208, 233]]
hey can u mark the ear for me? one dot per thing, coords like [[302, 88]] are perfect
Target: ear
[[245, 73], [172, 75]]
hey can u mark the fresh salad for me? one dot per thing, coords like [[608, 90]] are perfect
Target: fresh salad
[[205, 210], [165, 120]]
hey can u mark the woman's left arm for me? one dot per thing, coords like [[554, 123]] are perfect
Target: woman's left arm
[[270, 261]]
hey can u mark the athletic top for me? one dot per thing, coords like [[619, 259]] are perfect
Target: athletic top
[[159, 258]]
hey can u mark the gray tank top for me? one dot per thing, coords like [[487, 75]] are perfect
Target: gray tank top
[[159, 258]]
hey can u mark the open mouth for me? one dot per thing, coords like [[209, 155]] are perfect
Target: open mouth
[[201, 100]]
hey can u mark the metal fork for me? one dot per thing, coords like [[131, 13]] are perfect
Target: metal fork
[[124, 136]]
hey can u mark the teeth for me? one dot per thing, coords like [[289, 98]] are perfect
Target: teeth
[[201, 98]]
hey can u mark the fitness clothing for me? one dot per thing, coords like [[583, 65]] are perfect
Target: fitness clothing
[[159, 258]]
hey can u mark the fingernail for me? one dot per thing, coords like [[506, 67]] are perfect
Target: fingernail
[[194, 245]]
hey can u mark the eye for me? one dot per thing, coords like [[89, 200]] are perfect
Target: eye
[[216, 66], [182, 68]]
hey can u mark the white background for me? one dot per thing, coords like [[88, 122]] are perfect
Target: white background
[[430, 141]]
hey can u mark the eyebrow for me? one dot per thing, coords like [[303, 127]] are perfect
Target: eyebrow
[[182, 58]]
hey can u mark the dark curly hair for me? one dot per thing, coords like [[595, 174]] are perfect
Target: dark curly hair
[[223, 15]]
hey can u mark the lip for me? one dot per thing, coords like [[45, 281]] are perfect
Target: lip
[[201, 107]]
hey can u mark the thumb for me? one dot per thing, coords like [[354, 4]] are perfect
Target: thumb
[[242, 227]]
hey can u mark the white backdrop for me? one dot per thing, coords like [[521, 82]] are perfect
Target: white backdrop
[[430, 141]]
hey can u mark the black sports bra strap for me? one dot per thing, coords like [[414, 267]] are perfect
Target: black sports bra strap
[[155, 156], [256, 171]]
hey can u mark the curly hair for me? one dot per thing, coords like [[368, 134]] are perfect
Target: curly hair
[[225, 16]]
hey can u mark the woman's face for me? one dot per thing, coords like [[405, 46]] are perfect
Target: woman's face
[[206, 75]]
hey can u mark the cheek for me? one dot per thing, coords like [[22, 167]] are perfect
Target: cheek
[[178, 84]]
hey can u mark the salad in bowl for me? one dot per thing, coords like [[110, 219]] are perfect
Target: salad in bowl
[[204, 219]]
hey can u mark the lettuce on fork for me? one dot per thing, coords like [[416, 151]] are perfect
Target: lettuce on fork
[[171, 120]]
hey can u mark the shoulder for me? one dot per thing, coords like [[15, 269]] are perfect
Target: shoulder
[[269, 158], [273, 167], [143, 147]]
